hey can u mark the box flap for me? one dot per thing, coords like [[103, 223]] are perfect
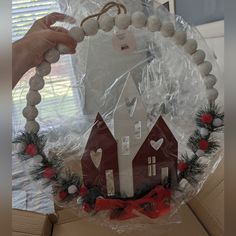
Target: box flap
[[30, 223], [190, 226]]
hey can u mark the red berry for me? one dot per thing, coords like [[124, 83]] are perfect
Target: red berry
[[49, 173], [182, 166], [31, 149], [83, 191], [203, 145], [207, 118], [87, 208], [62, 195]]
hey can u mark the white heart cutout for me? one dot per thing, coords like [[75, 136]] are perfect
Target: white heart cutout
[[96, 157], [157, 144]]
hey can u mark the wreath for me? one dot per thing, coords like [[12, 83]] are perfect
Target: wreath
[[152, 200]]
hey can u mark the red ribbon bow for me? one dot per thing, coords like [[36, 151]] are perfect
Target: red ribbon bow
[[153, 205]]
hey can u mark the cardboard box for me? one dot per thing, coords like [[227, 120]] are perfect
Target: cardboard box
[[203, 216]]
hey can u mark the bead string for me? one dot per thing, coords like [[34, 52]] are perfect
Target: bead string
[[106, 23], [104, 10]]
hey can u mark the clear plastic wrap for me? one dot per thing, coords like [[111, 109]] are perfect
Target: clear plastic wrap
[[157, 84]]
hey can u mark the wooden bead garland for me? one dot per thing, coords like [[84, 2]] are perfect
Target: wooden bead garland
[[199, 57], [36, 82], [30, 112], [33, 98], [52, 56], [168, 29], [153, 24], [190, 46], [77, 34], [90, 27], [123, 21], [139, 19], [180, 37], [43, 69], [106, 23]]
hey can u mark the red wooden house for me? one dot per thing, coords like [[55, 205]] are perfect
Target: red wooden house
[[156, 159], [100, 160]]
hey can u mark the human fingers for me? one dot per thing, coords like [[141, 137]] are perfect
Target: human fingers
[[59, 29], [56, 16]]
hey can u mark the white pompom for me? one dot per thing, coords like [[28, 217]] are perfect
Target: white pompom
[[139, 19], [123, 21], [205, 68], [183, 183], [37, 159], [77, 34], [30, 112], [106, 23], [210, 81], [72, 189], [36, 82], [33, 98], [190, 46], [63, 49], [168, 29], [43, 69], [204, 132], [32, 127], [180, 37], [90, 27], [200, 153], [217, 122], [153, 24], [212, 94], [52, 56], [199, 57], [20, 147]]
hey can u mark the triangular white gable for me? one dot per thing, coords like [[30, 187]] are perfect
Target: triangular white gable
[[130, 131]]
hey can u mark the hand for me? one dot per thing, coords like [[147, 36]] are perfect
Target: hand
[[28, 52]]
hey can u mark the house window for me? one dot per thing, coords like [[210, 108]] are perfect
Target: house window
[[138, 130], [110, 183], [125, 146], [164, 173], [152, 169]]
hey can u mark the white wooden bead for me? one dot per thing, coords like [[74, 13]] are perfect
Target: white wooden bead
[[106, 23], [72, 189], [32, 127], [43, 69], [90, 27], [210, 81], [30, 112], [77, 34], [212, 94], [205, 68], [168, 29], [153, 24], [138, 19], [180, 37], [36, 82], [199, 57], [33, 98], [217, 122], [63, 49], [52, 56], [123, 21], [183, 183], [190, 46], [200, 153], [204, 132]]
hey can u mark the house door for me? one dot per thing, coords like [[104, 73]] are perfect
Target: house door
[[110, 184], [164, 174]]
